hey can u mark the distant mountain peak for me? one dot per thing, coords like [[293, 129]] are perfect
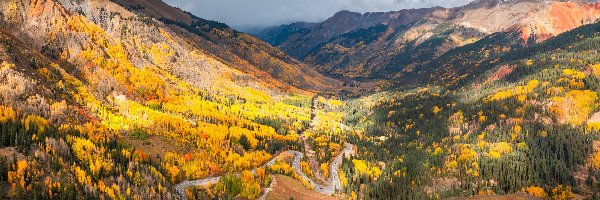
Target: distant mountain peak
[[499, 2], [345, 14], [351, 44], [484, 3]]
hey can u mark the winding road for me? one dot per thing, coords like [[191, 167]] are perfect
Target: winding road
[[329, 188], [333, 184], [180, 188]]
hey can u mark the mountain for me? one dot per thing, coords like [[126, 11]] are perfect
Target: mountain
[[215, 40], [386, 45], [507, 120], [277, 34], [237, 49], [137, 99], [108, 99]]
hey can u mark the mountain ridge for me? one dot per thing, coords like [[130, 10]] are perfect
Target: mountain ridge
[[98, 101], [219, 40], [435, 29], [136, 99]]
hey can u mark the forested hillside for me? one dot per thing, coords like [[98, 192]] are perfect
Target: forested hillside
[[115, 99], [98, 102], [237, 49], [391, 45], [519, 120]]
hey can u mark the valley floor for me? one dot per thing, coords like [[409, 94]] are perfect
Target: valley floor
[[285, 187]]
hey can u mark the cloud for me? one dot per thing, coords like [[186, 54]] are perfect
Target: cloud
[[249, 13]]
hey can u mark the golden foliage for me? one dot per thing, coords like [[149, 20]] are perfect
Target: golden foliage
[[596, 160], [519, 90], [235, 162], [325, 169], [250, 186], [537, 192], [366, 168], [306, 169], [13, 14], [343, 179], [17, 177], [595, 126], [160, 53], [574, 74], [500, 148], [88, 154], [6, 113], [561, 192], [595, 69], [436, 109], [33, 120], [574, 107], [281, 168], [438, 151]]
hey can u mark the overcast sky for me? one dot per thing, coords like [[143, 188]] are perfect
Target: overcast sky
[[249, 13]]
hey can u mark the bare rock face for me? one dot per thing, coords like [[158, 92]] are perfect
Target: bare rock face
[[371, 45], [536, 20]]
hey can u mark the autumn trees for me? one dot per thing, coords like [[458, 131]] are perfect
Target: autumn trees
[[530, 129], [143, 85], [66, 164], [575, 107], [79, 123]]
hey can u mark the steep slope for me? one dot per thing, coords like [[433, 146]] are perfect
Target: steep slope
[[236, 49], [513, 119], [88, 89], [61, 149], [369, 45], [105, 100], [277, 34]]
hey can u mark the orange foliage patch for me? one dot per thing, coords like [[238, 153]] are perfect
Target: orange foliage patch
[[575, 107]]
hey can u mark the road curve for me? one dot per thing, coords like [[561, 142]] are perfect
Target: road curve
[[332, 186], [180, 188], [333, 183]]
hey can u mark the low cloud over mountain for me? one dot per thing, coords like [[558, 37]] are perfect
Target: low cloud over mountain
[[243, 14]]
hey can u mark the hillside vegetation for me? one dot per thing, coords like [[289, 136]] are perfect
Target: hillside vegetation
[[84, 81], [520, 121], [392, 45], [115, 99]]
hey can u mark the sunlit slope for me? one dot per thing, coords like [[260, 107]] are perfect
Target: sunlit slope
[[515, 120], [398, 44], [236, 49], [90, 73]]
